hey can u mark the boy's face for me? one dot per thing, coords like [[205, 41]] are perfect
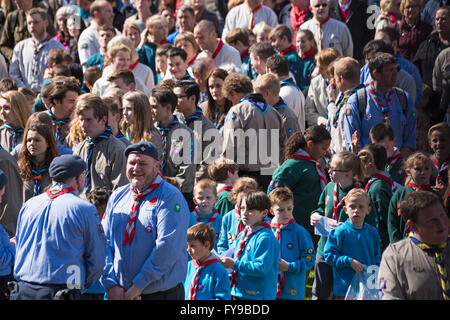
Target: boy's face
[[198, 251], [253, 217], [160, 113], [357, 208], [283, 211], [440, 145], [120, 84], [420, 173], [177, 67], [121, 61], [161, 63], [90, 125], [205, 199], [279, 43], [104, 37], [389, 145], [258, 64], [431, 225]]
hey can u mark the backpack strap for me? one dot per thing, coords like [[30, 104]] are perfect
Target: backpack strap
[[361, 101], [402, 98]]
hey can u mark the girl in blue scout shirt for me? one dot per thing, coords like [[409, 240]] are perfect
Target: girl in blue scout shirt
[[7, 249], [296, 246], [232, 223], [419, 169], [257, 252], [205, 211], [345, 172], [206, 278], [302, 173], [354, 245]]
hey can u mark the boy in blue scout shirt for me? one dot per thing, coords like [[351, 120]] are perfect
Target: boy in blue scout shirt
[[206, 278], [296, 246], [353, 245], [257, 252], [205, 198], [7, 249]]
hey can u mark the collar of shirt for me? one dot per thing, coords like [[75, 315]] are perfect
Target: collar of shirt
[[346, 7]]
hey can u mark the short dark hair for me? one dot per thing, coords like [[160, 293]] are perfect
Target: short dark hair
[[202, 232], [126, 75], [177, 51], [378, 155], [278, 64], [165, 96], [374, 46], [415, 202], [391, 32], [380, 131], [379, 60], [190, 87], [262, 49], [7, 84], [255, 200]]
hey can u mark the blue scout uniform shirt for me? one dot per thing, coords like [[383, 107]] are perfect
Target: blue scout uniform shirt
[[156, 259], [298, 250], [345, 243], [228, 232], [213, 282], [7, 253], [216, 224], [54, 235], [257, 266], [403, 124]]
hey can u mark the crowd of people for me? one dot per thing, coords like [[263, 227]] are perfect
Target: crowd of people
[[172, 150]]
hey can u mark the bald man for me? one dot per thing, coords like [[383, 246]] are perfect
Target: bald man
[[206, 37]]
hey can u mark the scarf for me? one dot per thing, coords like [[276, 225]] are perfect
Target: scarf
[[384, 108], [37, 176], [58, 126], [210, 220], [338, 204], [377, 176], [218, 48], [58, 189], [394, 159], [298, 17], [302, 154], [256, 100], [164, 131], [308, 53], [137, 197], [439, 168], [16, 135], [200, 266]]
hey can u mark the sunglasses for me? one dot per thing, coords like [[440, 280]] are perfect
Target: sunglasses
[[321, 5]]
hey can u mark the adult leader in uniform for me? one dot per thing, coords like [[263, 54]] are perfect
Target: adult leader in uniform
[[60, 244], [145, 225]]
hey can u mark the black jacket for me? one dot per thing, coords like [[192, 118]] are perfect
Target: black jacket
[[357, 23]]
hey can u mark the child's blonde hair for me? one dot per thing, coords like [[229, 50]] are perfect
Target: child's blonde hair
[[441, 127], [357, 193], [279, 195], [268, 81], [417, 158], [309, 35], [348, 161], [242, 184], [205, 184], [218, 170], [202, 232]]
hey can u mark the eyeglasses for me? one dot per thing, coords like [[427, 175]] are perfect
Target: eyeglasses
[[321, 5]]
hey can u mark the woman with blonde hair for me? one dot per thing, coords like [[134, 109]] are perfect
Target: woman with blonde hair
[[390, 14], [14, 112], [137, 123], [186, 41]]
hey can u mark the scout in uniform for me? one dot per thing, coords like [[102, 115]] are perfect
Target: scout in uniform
[[102, 151], [177, 157], [440, 144], [416, 268], [146, 225], [64, 231]]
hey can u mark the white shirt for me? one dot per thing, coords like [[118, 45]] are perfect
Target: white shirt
[[295, 100], [226, 55], [316, 109], [335, 34]]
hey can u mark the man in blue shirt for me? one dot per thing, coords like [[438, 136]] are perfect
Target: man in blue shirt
[[383, 103], [60, 244], [146, 225]]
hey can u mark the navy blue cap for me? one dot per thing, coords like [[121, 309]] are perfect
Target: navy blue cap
[[66, 166], [3, 179], [143, 147]]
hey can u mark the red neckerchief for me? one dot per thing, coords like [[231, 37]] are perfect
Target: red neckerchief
[[325, 20], [252, 15], [320, 171], [394, 159], [57, 191], [219, 47], [438, 167], [384, 108], [211, 220], [415, 186], [162, 42], [392, 18], [287, 50], [192, 60], [298, 16], [240, 226], [308, 53], [194, 283], [225, 188], [337, 205], [245, 237], [375, 177], [134, 65], [245, 53]]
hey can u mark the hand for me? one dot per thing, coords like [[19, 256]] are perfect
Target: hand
[[283, 265], [440, 188], [331, 91], [334, 224], [356, 266], [315, 217], [133, 293], [354, 146], [115, 293], [228, 263], [12, 241]]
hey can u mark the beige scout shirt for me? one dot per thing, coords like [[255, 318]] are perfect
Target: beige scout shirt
[[108, 166], [178, 159], [6, 139], [12, 199], [28, 186], [409, 273], [316, 102], [253, 139]]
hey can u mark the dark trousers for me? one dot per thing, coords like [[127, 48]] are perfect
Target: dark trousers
[[322, 288], [189, 197], [32, 291], [4, 291], [175, 293]]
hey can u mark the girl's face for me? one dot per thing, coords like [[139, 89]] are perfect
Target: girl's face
[[36, 144], [61, 21], [121, 61], [134, 35], [127, 109], [215, 88], [337, 171], [188, 47], [161, 63], [420, 173], [440, 144], [303, 43], [7, 114], [317, 150], [73, 28]]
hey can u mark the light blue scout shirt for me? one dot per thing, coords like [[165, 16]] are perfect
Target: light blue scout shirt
[[216, 224], [345, 243], [228, 232], [257, 266], [7, 253], [298, 250], [403, 124], [156, 259], [213, 282], [57, 238]]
